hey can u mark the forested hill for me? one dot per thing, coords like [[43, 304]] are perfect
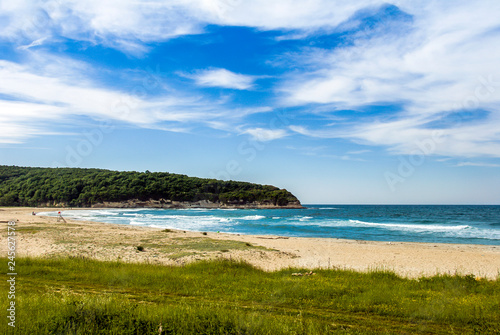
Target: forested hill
[[75, 187]]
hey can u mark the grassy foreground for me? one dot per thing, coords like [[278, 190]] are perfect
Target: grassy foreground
[[82, 296]]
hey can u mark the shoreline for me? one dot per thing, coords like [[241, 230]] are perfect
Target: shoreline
[[44, 236], [262, 236]]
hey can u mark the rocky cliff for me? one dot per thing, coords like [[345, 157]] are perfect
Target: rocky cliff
[[162, 203]]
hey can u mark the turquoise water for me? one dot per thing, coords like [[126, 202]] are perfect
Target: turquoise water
[[412, 223]]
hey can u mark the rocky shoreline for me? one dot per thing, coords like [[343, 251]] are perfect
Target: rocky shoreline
[[169, 204]]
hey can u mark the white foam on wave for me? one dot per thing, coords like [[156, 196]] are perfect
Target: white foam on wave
[[132, 215], [252, 217], [174, 216], [139, 215], [137, 223], [157, 226], [199, 221], [464, 231], [427, 227], [189, 222], [451, 231]]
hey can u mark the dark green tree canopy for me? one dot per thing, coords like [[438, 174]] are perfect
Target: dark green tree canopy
[[76, 187]]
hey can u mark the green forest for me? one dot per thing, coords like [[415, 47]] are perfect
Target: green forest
[[77, 187]]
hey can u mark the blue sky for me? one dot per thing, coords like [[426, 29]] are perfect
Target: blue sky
[[337, 101]]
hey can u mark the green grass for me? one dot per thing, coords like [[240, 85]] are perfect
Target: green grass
[[82, 296], [180, 247], [35, 229]]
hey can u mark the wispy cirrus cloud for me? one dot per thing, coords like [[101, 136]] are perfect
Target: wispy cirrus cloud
[[265, 135], [63, 88], [38, 96], [125, 25], [129, 25], [409, 136], [436, 64], [22, 120], [479, 164], [36, 43], [358, 152], [285, 14], [222, 78], [428, 57]]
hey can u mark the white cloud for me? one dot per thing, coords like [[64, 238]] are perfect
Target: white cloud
[[478, 164], [447, 60], [406, 137], [358, 152], [51, 89], [323, 133], [128, 24], [435, 64], [36, 43], [124, 25], [16, 120], [265, 135], [223, 78], [284, 14]]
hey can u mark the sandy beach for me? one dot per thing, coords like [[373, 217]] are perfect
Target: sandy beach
[[42, 236]]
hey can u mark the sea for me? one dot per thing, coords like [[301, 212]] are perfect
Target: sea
[[471, 224]]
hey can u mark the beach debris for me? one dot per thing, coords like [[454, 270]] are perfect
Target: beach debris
[[310, 273]]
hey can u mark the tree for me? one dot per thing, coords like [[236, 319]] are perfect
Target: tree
[[22, 186]]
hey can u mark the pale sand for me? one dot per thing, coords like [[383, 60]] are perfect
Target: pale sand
[[41, 236]]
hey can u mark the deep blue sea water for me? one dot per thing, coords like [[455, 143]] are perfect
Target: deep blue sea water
[[410, 223]]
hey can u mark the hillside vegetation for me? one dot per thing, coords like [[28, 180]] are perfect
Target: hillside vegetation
[[75, 187]]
